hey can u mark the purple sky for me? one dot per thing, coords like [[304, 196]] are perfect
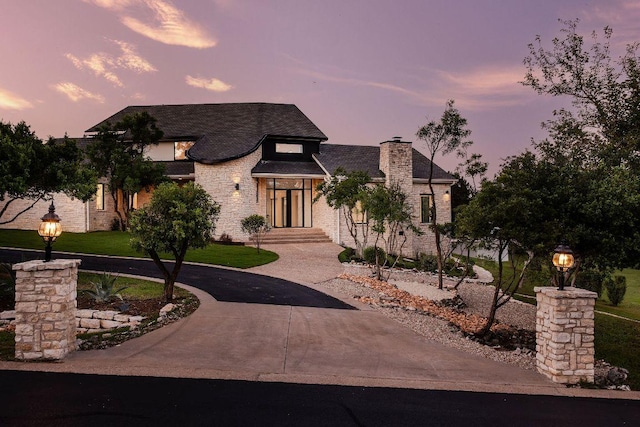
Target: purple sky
[[362, 71]]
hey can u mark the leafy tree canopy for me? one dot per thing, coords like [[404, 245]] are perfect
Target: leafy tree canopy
[[32, 170], [176, 219]]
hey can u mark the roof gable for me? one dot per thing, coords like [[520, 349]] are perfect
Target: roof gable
[[225, 131]]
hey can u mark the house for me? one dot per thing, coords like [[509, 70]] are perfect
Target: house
[[266, 159]]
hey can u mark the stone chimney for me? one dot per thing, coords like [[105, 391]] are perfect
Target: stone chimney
[[396, 161]]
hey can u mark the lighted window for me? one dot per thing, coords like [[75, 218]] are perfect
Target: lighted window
[[180, 149], [358, 214], [289, 148], [426, 201], [100, 197]]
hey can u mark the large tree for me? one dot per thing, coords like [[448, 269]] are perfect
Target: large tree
[[176, 219], [31, 170], [118, 153], [603, 124], [445, 136]]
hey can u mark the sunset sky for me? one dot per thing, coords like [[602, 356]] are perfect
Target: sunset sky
[[362, 71]]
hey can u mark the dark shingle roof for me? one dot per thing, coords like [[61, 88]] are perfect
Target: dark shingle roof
[[351, 158], [367, 159], [225, 131], [287, 168]]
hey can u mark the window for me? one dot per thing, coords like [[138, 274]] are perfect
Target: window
[[359, 215], [180, 149], [100, 197], [289, 148], [425, 208]]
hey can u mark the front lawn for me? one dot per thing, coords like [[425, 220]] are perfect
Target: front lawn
[[117, 243]]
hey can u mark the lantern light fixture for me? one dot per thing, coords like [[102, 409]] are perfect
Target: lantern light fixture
[[50, 229], [563, 260], [237, 186], [446, 196]]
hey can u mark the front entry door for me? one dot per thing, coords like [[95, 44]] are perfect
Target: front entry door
[[290, 207]]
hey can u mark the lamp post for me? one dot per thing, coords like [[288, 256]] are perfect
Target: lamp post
[[563, 260], [50, 228]]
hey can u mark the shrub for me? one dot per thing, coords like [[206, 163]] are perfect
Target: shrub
[[225, 239], [369, 255], [256, 226], [616, 288], [591, 280], [346, 255], [7, 279], [427, 262], [104, 290]]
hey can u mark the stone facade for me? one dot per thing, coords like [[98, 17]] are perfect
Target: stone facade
[[219, 181], [72, 213], [45, 309], [565, 334]]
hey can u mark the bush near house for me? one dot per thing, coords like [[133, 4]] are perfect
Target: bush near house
[[616, 288]]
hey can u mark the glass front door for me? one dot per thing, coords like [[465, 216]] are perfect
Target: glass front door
[[289, 202]]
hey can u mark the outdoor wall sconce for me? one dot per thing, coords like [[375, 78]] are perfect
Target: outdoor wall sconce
[[237, 186], [50, 228], [446, 197], [563, 260]]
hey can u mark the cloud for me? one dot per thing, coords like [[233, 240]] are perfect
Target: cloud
[[212, 84], [103, 64], [159, 20], [10, 101], [76, 93], [491, 86]]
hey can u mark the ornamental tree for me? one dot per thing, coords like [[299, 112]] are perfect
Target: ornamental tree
[[347, 191], [177, 218], [256, 226], [444, 136], [31, 170]]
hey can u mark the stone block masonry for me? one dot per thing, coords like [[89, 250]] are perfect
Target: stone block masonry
[[565, 334], [45, 309]]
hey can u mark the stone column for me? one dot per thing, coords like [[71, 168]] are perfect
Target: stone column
[[46, 308], [564, 334]]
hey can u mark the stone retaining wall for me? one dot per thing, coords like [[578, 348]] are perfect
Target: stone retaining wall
[[400, 275], [90, 321]]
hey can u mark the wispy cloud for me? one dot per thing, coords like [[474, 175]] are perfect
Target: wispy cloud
[[104, 64], [159, 20], [76, 93], [212, 84], [484, 87], [11, 101]]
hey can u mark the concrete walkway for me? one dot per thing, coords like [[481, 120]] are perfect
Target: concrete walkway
[[224, 340]]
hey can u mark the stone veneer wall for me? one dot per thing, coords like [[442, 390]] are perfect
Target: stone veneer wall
[[45, 308], [72, 213], [565, 334], [219, 181]]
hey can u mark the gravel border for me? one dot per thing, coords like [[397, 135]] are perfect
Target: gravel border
[[439, 330]]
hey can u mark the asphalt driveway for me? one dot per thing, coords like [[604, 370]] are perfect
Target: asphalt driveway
[[227, 285]]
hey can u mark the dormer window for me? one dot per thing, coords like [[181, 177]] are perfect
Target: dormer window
[[289, 148], [180, 149]]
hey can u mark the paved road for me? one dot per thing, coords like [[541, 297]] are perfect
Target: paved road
[[52, 399], [222, 284]]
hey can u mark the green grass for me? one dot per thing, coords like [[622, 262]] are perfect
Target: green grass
[[618, 342], [117, 243], [136, 288]]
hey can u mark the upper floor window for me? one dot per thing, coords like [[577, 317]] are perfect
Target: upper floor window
[[180, 149], [289, 148]]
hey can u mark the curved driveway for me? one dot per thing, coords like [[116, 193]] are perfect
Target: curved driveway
[[228, 285]]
